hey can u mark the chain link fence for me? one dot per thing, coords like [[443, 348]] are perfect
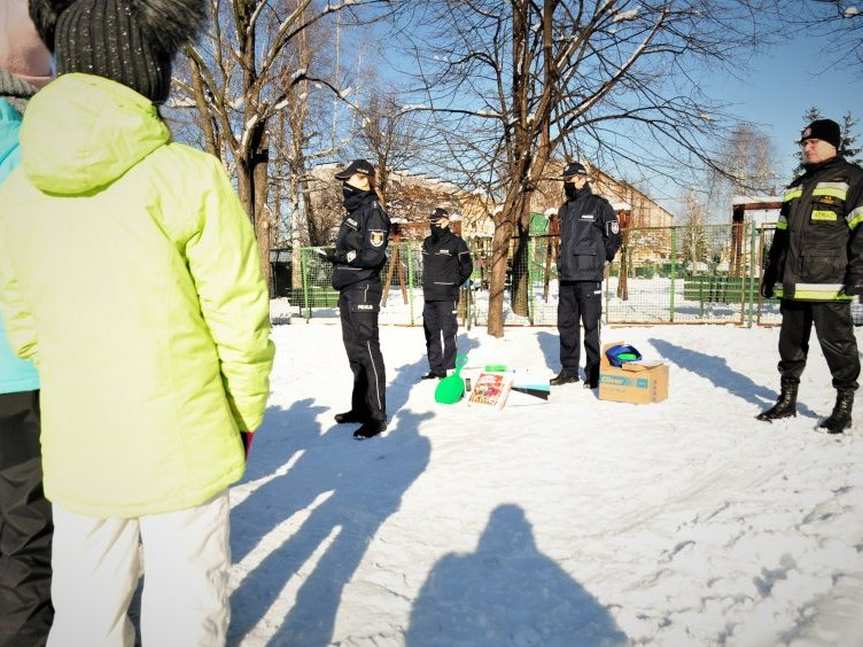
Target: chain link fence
[[683, 275]]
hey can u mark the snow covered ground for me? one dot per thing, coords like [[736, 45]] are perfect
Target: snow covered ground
[[568, 523]]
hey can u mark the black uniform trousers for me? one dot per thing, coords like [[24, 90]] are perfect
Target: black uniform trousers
[[359, 305], [440, 320], [835, 332], [579, 303], [25, 526]]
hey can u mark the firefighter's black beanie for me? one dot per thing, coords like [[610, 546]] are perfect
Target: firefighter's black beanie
[[824, 129]]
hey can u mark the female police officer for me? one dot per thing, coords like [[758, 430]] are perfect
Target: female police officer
[[357, 262]]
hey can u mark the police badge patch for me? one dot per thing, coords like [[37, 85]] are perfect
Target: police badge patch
[[377, 237], [615, 227]]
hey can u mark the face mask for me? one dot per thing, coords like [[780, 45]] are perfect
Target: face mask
[[348, 191], [570, 190]]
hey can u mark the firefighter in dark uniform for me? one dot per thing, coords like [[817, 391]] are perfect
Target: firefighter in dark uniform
[[589, 236], [446, 265], [815, 266], [359, 256]]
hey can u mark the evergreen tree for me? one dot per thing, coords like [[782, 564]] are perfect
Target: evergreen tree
[[849, 148], [813, 113]]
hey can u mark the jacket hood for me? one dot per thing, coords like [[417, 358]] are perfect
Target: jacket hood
[[82, 132], [10, 121]]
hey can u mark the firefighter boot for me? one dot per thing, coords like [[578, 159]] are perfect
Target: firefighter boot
[[786, 404], [840, 419]]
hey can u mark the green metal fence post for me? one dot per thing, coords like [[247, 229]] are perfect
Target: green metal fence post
[[607, 277], [410, 258], [304, 271], [673, 270], [531, 246]]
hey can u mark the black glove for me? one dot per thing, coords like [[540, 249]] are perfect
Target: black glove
[[853, 289], [766, 289], [331, 257]]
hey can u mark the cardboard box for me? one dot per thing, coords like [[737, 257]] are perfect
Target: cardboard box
[[640, 382]]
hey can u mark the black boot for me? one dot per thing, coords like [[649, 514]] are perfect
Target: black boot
[[786, 404], [840, 419], [591, 377], [431, 375], [350, 416], [564, 377], [370, 429]]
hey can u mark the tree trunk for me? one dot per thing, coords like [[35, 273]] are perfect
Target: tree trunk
[[497, 279], [263, 224], [252, 186], [521, 274], [623, 267]]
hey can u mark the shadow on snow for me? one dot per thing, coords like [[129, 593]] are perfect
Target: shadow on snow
[[507, 593]]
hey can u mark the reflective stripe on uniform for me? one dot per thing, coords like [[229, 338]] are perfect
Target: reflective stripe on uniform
[[815, 292], [782, 223], [824, 215], [855, 217], [833, 189], [791, 194]]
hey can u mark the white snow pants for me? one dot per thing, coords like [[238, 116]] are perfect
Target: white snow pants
[[96, 566]]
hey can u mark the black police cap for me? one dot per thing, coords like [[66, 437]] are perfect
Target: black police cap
[[357, 166], [438, 214], [574, 168]]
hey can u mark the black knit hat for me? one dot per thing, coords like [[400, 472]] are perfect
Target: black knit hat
[[129, 41], [826, 130]]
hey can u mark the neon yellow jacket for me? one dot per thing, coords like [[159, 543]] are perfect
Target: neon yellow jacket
[[129, 273]]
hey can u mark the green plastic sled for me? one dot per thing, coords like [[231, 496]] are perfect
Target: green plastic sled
[[451, 389]]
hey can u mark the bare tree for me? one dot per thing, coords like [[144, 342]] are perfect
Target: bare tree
[[838, 22], [746, 164], [241, 80], [694, 245], [513, 83], [385, 133]]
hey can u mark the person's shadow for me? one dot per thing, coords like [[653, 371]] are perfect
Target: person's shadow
[[507, 593], [347, 490], [716, 369], [549, 344]]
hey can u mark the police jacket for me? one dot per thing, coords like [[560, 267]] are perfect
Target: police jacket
[[361, 246], [817, 248], [446, 265], [589, 236]]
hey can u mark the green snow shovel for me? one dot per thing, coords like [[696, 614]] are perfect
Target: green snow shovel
[[451, 389]]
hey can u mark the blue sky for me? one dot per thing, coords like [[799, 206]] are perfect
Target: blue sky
[[780, 85], [772, 90]]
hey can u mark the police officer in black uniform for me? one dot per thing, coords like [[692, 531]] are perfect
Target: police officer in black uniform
[[815, 266], [589, 236], [446, 265], [357, 262]]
